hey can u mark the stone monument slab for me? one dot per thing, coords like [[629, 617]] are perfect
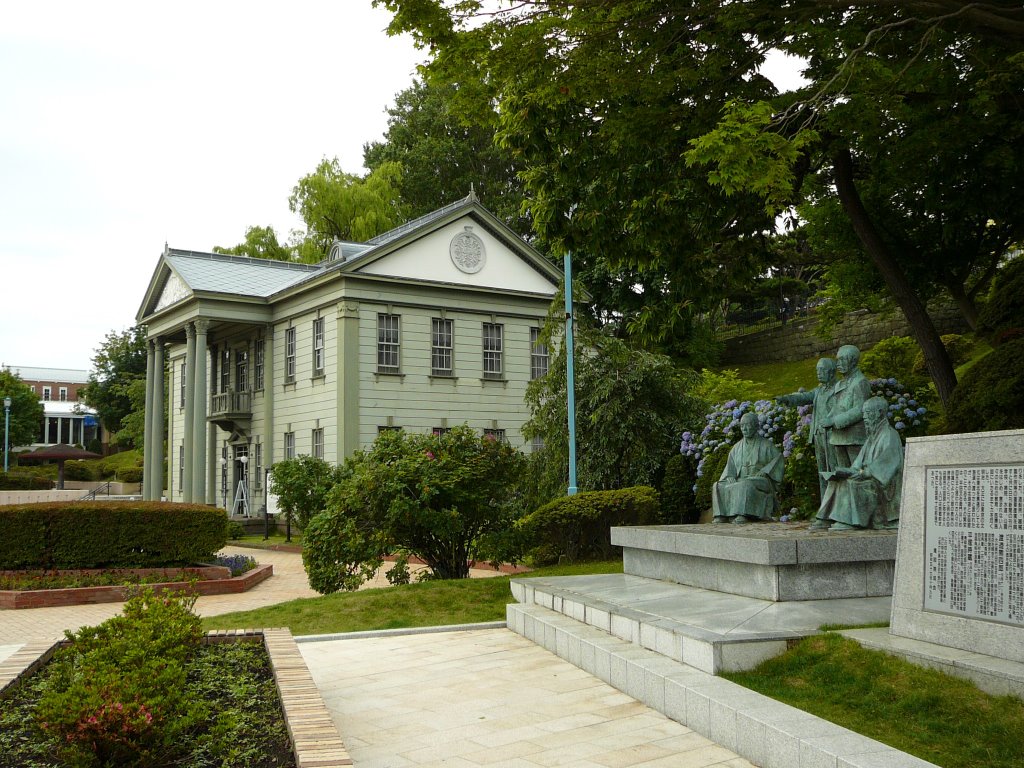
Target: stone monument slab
[[960, 563]]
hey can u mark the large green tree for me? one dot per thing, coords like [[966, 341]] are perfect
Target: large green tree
[[615, 108], [26, 412], [259, 243], [336, 204], [119, 362], [445, 150]]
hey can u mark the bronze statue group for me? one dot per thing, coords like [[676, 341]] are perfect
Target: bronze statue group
[[859, 456]]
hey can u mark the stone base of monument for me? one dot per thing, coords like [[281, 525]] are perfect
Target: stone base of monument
[[769, 561]]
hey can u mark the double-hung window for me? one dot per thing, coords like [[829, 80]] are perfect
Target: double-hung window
[[225, 370], [182, 374], [318, 443], [388, 343], [318, 347], [258, 351], [242, 370], [441, 347], [257, 465], [498, 435], [289, 355], [538, 355], [289, 445], [493, 368]]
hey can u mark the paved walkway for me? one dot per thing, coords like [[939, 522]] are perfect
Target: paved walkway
[[490, 698], [467, 698]]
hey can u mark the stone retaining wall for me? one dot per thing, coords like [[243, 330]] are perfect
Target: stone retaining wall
[[798, 339]]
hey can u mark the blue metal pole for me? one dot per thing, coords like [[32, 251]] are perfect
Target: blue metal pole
[[7, 429], [570, 384]]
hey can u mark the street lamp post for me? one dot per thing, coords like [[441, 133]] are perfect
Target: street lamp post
[[7, 430], [224, 483]]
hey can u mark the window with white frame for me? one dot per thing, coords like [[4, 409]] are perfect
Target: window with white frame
[[289, 445], [242, 370], [62, 393], [498, 435], [439, 431], [289, 355], [318, 347], [225, 369], [388, 343], [318, 443], [538, 355], [493, 351], [259, 349], [181, 467], [46, 393], [536, 444], [181, 373], [441, 347], [388, 428]]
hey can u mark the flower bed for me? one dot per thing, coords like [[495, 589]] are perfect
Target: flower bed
[[312, 736], [214, 580]]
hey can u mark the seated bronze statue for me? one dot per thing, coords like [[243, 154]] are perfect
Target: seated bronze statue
[[747, 489], [867, 493]]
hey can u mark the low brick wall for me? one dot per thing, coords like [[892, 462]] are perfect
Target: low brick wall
[[316, 742], [48, 598]]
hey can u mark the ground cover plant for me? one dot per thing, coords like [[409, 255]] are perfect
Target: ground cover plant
[[942, 719], [141, 689], [423, 604]]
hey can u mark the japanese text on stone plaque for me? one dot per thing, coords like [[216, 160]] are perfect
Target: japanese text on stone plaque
[[974, 542]]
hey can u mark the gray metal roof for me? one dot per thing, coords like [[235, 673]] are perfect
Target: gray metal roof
[[221, 273], [394, 234], [30, 373]]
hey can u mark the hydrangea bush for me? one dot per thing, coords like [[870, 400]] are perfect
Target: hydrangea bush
[[788, 428]]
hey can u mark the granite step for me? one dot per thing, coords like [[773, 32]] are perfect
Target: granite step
[[708, 630], [766, 732]]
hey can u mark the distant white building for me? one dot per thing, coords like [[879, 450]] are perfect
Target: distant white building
[[65, 419], [430, 325]]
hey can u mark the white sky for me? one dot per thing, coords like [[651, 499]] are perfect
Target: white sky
[[125, 124]]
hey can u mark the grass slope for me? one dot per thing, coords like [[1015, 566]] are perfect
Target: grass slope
[[429, 603], [927, 713]]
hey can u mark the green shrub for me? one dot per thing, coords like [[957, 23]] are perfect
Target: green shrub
[[579, 526], [235, 530], [1002, 317], [130, 475], [678, 501], [719, 386], [23, 481], [446, 499], [892, 357], [991, 394], [79, 470], [117, 695], [708, 475], [107, 534]]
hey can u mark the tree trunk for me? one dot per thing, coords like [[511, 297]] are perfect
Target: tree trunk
[[964, 302], [935, 356]]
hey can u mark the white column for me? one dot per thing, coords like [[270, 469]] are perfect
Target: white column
[[147, 449], [199, 428], [156, 444], [190, 408]]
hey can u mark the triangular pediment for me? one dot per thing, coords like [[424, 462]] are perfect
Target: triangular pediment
[[173, 291], [465, 251]]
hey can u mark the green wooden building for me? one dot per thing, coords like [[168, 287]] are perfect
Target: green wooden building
[[427, 326]]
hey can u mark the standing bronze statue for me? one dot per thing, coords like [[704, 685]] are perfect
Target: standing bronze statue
[[821, 399], [846, 420], [867, 493], [747, 489]]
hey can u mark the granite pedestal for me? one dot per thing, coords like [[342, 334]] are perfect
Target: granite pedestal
[[769, 561]]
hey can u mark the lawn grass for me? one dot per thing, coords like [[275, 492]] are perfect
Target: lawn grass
[[428, 603], [927, 713]]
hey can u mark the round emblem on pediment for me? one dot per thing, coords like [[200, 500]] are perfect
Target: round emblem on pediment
[[467, 251]]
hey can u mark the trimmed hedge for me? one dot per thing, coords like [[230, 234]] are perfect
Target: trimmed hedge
[[109, 534], [580, 526], [129, 475], [22, 481], [991, 394]]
